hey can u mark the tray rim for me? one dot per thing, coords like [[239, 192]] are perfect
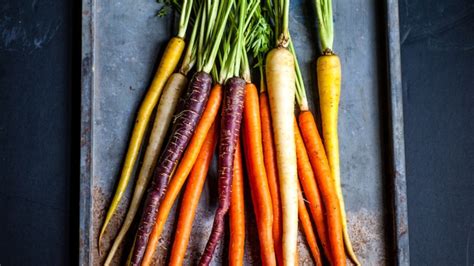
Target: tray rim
[[397, 140], [87, 84], [397, 172]]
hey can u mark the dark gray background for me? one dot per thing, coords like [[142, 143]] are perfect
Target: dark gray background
[[39, 130]]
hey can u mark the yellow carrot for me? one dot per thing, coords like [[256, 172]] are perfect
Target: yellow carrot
[[329, 84], [168, 63]]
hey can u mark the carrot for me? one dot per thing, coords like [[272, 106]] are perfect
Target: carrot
[[271, 169], [308, 228], [231, 119], [230, 129], [237, 212], [210, 37], [163, 117], [129, 257], [257, 174], [329, 76], [183, 129], [183, 169], [328, 70], [258, 42], [332, 233], [164, 114], [320, 165], [167, 65], [191, 196], [307, 179], [281, 78], [281, 91]]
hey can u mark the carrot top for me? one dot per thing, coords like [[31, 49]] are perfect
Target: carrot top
[[258, 37], [279, 10], [326, 25], [189, 58], [233, 54], [185, 9], [300, 88], [212, 25], [184, 19]]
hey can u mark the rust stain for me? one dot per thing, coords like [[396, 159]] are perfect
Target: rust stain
[[84, 136], [367, 236], [100, 205], [365, 227], [200, 233], [304, 254]]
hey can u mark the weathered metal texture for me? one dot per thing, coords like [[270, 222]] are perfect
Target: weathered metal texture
[[122, 40], [397, 141]]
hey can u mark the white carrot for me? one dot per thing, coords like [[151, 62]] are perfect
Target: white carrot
[[280, 73]]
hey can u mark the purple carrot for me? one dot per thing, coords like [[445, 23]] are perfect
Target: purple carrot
[[230, 129], [184, 125]]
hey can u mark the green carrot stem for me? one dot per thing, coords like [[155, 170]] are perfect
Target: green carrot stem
[[263, 88], [326, 27], [214, 73], [225, 63], [245, 66], [190, 55], [285, 16], [300, 88], [200, 52], [184, 19], [240, 37], [225, 7]]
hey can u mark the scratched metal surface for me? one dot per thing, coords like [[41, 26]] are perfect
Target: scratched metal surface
[[122, 41]]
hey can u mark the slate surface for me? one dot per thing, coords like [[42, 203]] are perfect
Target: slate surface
[[438, 66], [39, 45], [39, 131]]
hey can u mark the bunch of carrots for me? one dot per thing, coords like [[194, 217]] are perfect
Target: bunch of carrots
[[293, 174]]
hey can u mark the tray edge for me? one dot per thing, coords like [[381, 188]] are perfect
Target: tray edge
[[87, 83], [397, 140], [399, 200]]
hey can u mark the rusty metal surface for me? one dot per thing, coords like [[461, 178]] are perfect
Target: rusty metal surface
[[122, 41], [397, 141]]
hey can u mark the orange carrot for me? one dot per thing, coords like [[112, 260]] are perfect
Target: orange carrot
[[308, 228], [191, 198], [307, 179], [320, 165], [257, 175], [237, 212], [183, 169], [272, 175]]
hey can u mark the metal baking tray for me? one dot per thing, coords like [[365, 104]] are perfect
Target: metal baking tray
[[121, 43]]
